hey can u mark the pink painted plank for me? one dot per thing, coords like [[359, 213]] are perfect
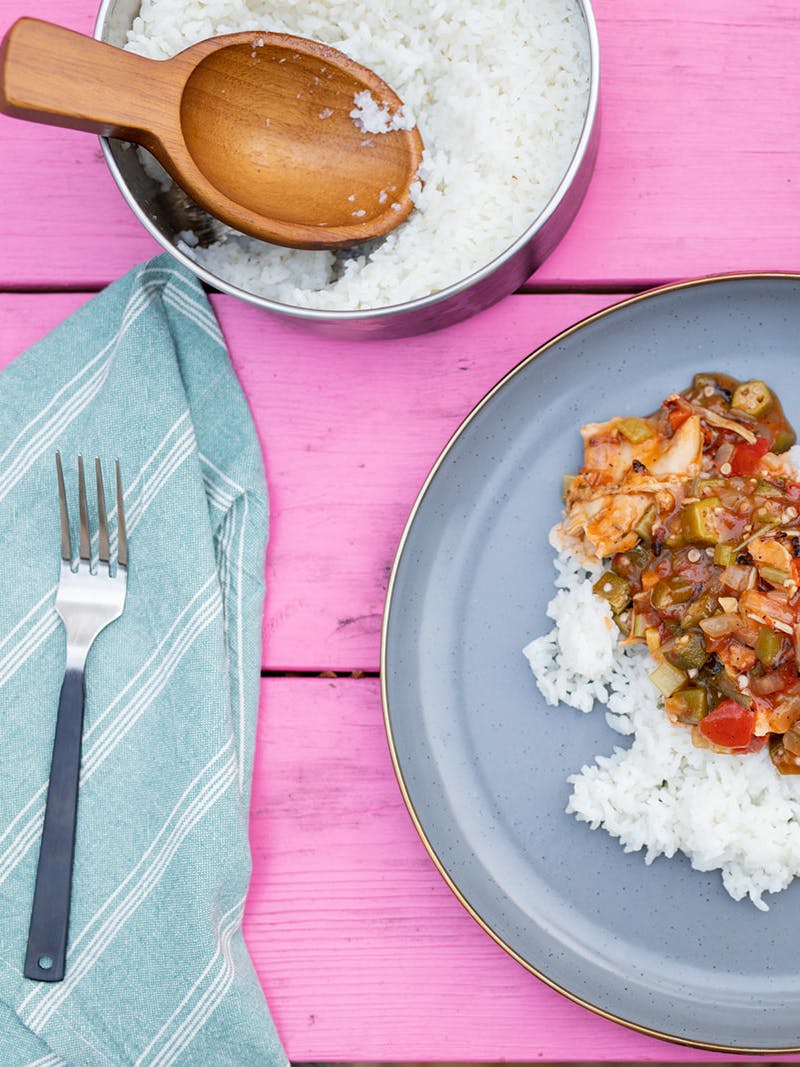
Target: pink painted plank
[[64, 222], [26, 318], [362, 950], [349, 432], [696, 174], [697, 167]]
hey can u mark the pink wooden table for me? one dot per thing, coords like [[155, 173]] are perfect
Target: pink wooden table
[[363, 952]]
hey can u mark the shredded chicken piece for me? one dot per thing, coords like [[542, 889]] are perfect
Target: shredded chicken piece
[[766, 551], [621, 480], [728, 424], [684, 452], [608, 522]]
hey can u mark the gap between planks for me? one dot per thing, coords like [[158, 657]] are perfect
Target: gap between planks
[[354, 673], [531, 288]]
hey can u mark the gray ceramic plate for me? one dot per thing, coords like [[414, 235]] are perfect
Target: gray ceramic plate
[[483, 762]]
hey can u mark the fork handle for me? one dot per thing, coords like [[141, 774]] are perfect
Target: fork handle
[[47, 938]]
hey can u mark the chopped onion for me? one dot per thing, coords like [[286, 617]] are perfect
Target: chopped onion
[[770, 608], [737, 578], [720, 625], [723, 453]]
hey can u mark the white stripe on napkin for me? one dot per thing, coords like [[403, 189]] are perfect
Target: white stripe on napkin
[[186, 299], [168, 655], [182, 1033], [47, 622], [220, 486], [181, 449], [197, 800], [207, 1004], [44, 438]]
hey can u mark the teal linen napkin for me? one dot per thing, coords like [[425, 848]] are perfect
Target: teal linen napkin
[[157, 969]]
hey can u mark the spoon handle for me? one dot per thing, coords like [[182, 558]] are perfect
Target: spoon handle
[[54, 75]]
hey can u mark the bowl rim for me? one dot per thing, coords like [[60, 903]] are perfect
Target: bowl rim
[[406, 308]]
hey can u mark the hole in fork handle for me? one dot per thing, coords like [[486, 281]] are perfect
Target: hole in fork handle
[[49, 927], [45, 966], [86, 604]]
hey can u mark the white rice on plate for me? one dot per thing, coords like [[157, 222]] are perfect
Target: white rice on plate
[[499, 92], [735, 814]]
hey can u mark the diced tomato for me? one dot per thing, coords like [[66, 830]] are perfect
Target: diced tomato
[[678, 416], [729, 725], [755, 744], [746, 458]]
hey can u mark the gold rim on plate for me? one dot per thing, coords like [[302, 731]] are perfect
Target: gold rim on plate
[[596, 316]]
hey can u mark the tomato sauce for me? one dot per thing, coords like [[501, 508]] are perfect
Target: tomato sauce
[[696, 510]]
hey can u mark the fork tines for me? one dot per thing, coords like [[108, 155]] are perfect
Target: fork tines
[[85, 532]]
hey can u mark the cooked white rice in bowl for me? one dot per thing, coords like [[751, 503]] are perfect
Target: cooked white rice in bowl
[[500, 95], [660, 794]]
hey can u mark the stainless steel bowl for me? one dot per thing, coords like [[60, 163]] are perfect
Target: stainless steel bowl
[[483, 287]]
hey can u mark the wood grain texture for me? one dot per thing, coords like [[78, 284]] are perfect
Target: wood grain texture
[[349, 433], [362, 950], [697, 170], [201, 115]]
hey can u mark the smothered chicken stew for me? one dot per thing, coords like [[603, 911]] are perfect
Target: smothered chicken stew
[[697, 511]]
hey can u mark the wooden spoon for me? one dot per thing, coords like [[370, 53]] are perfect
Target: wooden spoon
[[255, 127]]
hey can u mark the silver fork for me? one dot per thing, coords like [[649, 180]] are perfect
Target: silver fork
[[90, 596]]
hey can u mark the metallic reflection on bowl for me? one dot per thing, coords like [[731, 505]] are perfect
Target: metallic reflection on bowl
[[164, 215]]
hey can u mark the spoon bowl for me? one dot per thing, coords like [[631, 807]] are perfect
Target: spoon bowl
[[257, 128]]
